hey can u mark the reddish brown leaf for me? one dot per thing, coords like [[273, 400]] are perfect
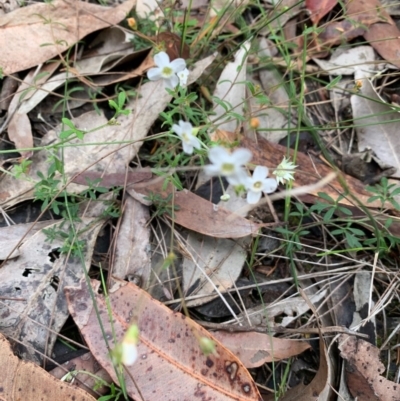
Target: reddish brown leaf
[[173, 45], [170, 364], [26, 381], [384, 36], [200, 215], [254, 349], [319, 8], [364, 371]]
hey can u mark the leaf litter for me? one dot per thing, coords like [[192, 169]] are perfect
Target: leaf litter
[[211, 254]]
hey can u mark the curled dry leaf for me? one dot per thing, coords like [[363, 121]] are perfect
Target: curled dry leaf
[[211, 263], [54, 24], [20, 132], [379, 125], [319, 388], [254, 349], [382, 32], [231, 90], [26, 381], [364, 371], [319, 8], [132, 256], [170, 364]]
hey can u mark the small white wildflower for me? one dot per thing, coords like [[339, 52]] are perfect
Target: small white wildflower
[[225, 197], [284, 172], [183, 77], [259, 183], [129, 351], [228, 164], [166, 70], [189, 141]]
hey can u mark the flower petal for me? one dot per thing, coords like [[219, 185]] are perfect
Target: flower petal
[[154, 74], [238, 178], [253, 197], [260, 173], [177, 129], [178, 65], [217, 154], [171, 82], [242, 156], [195, 142], [187, 147], [162, 60], [211, 169], [270, 185], [186, 127], [129, 353]]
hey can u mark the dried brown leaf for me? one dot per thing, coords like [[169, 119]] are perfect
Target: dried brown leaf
[[26, 381], [59, 23], [20, 132], [254, 349], [379, 125], [364, 371], [170, 364], [132, 244], [319, 8], [84, 363], [38, 278], [318, 389], [200, 215], [381, 32]]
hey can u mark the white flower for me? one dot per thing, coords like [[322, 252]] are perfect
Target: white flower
[[189, 141], [284, 172], [129, 353], [259, 183], [225, 197], [228, 164], [166, 69], [183, 77]]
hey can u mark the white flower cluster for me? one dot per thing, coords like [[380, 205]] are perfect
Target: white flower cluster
[[172, 72], [230, 165], [223, 163]]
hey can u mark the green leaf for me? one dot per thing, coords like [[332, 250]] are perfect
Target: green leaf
[[356, 231], [334, 82], [325, 196], [121, 99], [374, 198], [345, 211], [66, 121], [328, 215], [396, 192]]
